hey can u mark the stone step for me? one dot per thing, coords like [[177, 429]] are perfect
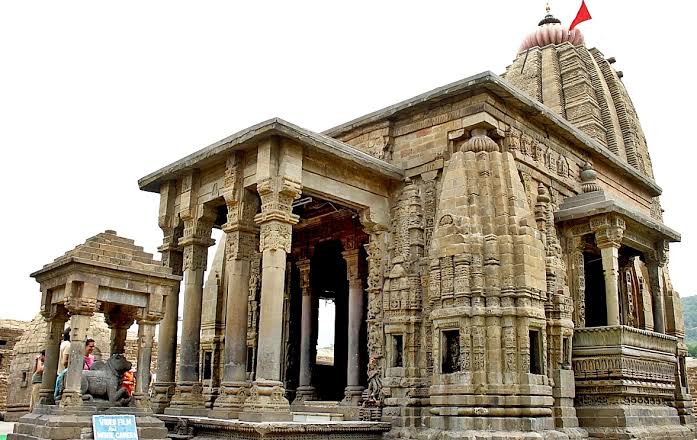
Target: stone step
[[317, 417]]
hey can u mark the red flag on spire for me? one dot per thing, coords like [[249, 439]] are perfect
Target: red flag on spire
[[582, 16]]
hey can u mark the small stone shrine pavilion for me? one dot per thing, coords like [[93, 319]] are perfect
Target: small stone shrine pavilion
[[107, 274]]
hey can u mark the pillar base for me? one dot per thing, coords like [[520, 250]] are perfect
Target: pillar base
[[142, 400], [187, 400], [633, 422], [231, 400], [161, 396], [45, 398], [70, 399], [266, 403], [353, 395], [304, 394]]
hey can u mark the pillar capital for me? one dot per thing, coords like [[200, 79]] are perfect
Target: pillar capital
[[169, 245], [304, 269], [81, 306], [80, 297], [659, 256], [277, 194], [240, 243], [351, 255], [608, 230], [275, 236], [241, 210], [353, 268], [303, 265], [197, 228], [195, 257], [169, 238], [117, 317], [53, 313]]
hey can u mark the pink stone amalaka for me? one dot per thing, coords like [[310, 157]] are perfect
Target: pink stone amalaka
[[551, 33]]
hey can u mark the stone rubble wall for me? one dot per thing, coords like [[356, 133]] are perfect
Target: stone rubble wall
[[10, 333], [691, 366]]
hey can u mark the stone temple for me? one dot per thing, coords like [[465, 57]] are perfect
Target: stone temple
[[494, 249]]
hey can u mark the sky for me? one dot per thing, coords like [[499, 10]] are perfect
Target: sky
[[95, 95]]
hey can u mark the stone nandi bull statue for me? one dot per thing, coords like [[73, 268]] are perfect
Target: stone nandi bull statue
[[103, 381]]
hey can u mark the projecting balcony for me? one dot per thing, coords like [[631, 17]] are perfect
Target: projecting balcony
[[621, 364]]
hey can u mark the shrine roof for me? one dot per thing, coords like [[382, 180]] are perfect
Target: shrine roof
[[599, 202], [108, 250], [530, 108], [251, 135]]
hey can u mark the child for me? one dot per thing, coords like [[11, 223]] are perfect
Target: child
[[128, 382]]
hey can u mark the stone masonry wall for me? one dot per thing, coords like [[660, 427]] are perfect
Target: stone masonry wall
[[691, 365], [10, 332]]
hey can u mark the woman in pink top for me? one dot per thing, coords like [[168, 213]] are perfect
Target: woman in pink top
[[89, 358]]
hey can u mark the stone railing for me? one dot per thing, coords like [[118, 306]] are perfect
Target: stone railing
[[622, 335]]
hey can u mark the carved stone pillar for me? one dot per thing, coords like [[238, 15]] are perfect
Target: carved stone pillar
[[240, 243], [163, 388], [146, 335], [578, 279], [188, 397], [81, 302], [376, 256], [55, 324], [306, 391], [266, 401], [354, 389], [119, 323], [656, 265], [608, 239], [239, 249]]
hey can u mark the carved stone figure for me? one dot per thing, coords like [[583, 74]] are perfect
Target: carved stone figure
[[374, 395], [103, 381]]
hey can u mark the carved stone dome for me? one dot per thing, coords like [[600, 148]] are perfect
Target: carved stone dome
[[551, 32]]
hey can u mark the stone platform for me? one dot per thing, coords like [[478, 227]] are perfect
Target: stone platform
[[203, 428], [50, 422]]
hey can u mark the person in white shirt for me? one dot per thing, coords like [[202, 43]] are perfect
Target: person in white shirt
[[64, 351]]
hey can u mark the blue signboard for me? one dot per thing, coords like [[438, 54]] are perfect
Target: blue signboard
[[114, 426]]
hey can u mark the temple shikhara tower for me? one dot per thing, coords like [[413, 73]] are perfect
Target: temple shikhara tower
[[493, 249]]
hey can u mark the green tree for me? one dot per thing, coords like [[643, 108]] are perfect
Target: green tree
[[692, 349]]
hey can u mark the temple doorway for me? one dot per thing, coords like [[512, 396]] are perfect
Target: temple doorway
[[329, 284], [596, 309], [327, 287]]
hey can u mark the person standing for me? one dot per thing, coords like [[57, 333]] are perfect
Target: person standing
[[36, 378], [89, 357], [58, 389], [64, 351]]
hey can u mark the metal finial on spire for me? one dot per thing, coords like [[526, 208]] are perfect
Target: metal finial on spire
[[549, 18]]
